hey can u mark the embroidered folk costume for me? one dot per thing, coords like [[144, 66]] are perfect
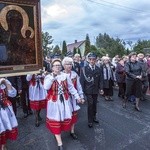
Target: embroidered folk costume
[[59, 107], [76, 82], [37, 93], [8, 122]]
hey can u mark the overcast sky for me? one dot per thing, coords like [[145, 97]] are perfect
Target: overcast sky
[[72, 19]]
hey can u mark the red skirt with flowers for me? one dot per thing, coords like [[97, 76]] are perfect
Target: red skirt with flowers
[[56, 127], [38, 105], [11, 135]]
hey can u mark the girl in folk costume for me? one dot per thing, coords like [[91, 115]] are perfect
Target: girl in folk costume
[[8, 122], [67, 64], [37, 94], [59, 109]]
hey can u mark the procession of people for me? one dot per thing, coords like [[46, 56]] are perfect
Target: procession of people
[[64, 85]]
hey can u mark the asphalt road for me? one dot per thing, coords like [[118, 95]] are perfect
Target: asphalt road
[[119, 129]]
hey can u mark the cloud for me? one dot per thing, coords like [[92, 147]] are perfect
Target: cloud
[[73, 19]]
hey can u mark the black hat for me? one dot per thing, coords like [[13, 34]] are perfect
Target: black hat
[[69, 54], [92, 55]]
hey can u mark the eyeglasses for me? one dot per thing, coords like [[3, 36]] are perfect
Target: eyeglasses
[[68, 64]]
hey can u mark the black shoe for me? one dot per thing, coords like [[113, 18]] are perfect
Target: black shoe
[[124, 105], [39, 118], [60, 147], [25, 115], [90, 125], [37, 124], [30, 112], [74, 136], [110, 99], [137, 109], [95, 120]]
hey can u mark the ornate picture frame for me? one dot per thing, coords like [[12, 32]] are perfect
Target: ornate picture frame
[[20, 36]]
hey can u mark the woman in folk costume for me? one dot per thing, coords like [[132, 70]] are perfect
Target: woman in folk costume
[[8, 122], [59, 109], [67, 64], [37, 94]]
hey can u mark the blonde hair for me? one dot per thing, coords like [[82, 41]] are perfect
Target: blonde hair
[[105, 58], [140, 55], [77, 55]]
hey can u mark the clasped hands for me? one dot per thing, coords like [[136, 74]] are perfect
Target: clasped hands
[[80, 100], [139, 77]]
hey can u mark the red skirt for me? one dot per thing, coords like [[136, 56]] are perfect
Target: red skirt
[[74, 117], [56, 127], [11, 135], [37, 105]]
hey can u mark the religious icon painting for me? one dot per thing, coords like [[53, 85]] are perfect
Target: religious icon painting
[[20, 36]]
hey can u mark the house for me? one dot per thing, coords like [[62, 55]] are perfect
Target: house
[[78, 45]]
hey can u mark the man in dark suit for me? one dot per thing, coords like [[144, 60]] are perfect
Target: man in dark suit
[[24, 92], [92, 83], [15, 81]]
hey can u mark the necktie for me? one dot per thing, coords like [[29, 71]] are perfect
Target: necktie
[[92, 68]]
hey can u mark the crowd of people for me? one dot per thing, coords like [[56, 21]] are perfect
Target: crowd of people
[[64, 83]]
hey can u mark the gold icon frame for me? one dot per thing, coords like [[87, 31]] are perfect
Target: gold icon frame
[[29, 10]]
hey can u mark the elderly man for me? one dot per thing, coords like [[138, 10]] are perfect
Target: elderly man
[[91, 81]]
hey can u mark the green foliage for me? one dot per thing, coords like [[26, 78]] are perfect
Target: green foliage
[[74, 50], [87, 45], [110, 45], [46, 42], [93, 48], [56, 50], [64, 48], [140, 45], [79, 52]]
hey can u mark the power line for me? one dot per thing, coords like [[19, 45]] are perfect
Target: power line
[[122, 7]]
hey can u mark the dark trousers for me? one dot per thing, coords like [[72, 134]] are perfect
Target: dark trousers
[[13, 101], [122, 89], [25, 101], [149, 80], [92, 106], [109, 91]]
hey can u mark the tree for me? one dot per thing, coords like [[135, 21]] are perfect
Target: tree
[[56, 50], [74, 50], [140, 45], [112, 46], [79, 52], [64, 48], [46, 42], [87, 45], [93, 48]]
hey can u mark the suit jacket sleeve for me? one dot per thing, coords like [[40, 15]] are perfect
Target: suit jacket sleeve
[[82, 79], [101, 78]]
